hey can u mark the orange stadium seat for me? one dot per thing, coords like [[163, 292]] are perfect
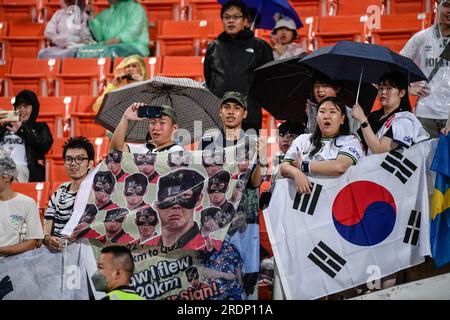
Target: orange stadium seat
[[335, 28], [352, 7], [161, 9], [4, 68], [204, 9], [54, 163], [183, 67], [83, 119], [72, 82], [32, 74], [409, 6], [181, 38], [18, 10], [24, 40], [3, 33], [39, 191], [6, 103], [396, 30], [307, 8], [55, 111], [101, 147]]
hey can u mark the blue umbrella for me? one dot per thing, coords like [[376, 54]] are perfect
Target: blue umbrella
[[266, 9], [347, 60]]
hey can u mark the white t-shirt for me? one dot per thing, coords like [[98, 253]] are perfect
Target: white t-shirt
[[331, 148], [406, 129], [16, 148], [19, 220], [424, 48], [142, 148]]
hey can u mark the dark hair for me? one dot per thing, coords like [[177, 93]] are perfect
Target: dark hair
[[28, 97], [343, 130], [122, 255], [291, 127], [79, 143], [322, 79], [238, 4], [398, 81]]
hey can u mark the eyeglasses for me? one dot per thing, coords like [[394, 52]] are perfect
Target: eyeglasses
[[234, 17], [78, 160]]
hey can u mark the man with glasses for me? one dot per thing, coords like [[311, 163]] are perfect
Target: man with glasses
[[134, 190], [233, 56], [114, 232], [103, 186], [179, 194], [78, 155], [146, 221], [114, 163], [146, 165]]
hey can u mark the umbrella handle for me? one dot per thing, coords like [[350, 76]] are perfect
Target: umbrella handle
[[256, 15], [359, 85]]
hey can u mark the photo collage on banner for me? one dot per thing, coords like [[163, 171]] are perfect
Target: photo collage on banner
[[188, 217]]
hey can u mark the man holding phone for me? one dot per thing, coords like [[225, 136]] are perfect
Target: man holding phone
[[161, 129]]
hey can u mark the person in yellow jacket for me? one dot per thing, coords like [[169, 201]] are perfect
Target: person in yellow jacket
[[115, 268], [129, 70]]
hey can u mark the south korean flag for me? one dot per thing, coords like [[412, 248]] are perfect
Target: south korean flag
[[368, 223]]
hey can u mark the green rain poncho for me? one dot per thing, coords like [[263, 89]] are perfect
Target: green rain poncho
[[126, 20]]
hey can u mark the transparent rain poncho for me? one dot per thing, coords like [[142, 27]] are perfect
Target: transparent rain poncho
[[126, 20]]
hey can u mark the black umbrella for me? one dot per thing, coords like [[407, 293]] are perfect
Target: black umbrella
[[191, 101], [282, 88], [346, 60]]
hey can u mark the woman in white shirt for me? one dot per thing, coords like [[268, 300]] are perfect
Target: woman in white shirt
[[329, 151], [394, 125]]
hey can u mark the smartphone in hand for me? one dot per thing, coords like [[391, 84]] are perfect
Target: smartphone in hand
[[148, 111]]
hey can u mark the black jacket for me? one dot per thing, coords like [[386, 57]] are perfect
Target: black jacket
[[230, 63], [36, 135]]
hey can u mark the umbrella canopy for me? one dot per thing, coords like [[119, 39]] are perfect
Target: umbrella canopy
[[283, 87], [191, 101], [266, 9], [346, 59]]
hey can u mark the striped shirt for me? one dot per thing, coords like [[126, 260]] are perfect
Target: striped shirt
[[60, 208]]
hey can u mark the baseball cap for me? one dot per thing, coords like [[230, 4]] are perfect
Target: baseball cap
[[285, 22], [178, 182], [170, 112], [235, 96]]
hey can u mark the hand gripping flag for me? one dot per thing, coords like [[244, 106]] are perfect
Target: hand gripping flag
[[440, 211], [370, 222]]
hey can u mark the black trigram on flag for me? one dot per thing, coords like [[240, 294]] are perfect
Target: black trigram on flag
[[326, 259], [413, 229], [399, 166], [307, 202]]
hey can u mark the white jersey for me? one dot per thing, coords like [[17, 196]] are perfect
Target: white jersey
[[15, 145], [406, 129], [331, 148], [424, 48]]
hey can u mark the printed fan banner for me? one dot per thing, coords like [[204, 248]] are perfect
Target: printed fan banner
[[181, 213]]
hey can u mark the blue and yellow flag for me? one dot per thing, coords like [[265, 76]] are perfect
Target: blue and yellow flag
[[440, 214]]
